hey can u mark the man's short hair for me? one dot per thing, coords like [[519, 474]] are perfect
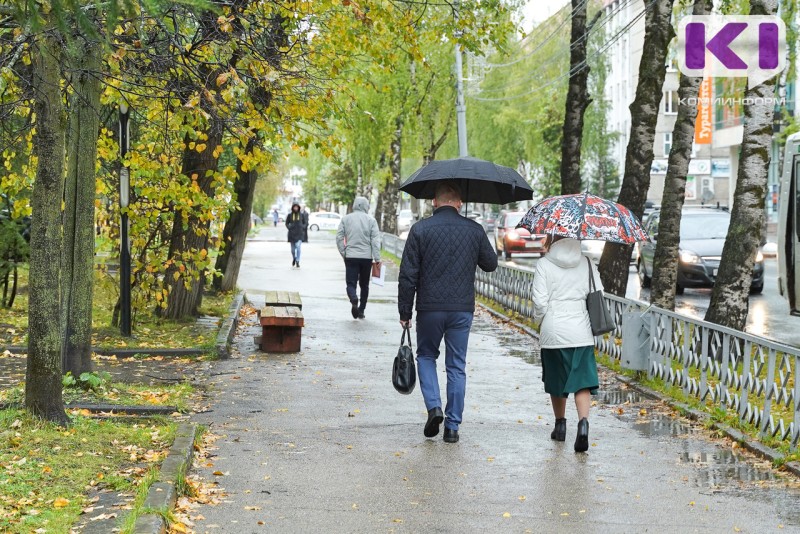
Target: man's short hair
[[448, 191]]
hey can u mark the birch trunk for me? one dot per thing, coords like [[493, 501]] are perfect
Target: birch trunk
[[729, 298], [576, 103], [614, 263], [665, 262]]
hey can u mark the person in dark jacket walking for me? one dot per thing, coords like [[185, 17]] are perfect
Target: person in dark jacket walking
[[359, 242], [438, 268], [297, 224]]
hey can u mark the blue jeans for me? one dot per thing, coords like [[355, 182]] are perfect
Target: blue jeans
[[296, 250], [454, 327]]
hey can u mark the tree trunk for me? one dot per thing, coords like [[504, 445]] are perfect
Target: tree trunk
[[639, 155], [189, 234], [665, 262], [389, 194], [77, 261], [577, 102], [43, 375], [729, 298], [234, 235]]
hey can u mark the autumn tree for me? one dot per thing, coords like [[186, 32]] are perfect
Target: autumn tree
[[729, 298], [614, 263]]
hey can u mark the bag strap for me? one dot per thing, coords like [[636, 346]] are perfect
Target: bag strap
[[591, 276], [403, 337]]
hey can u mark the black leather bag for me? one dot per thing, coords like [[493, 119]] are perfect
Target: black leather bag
[[599, 316], [404, 372]]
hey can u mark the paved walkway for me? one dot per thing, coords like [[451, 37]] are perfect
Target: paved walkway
[[319, 441]]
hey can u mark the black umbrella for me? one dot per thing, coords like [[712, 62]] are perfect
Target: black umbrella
[[480, 181]]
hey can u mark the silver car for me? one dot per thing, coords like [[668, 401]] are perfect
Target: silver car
[[405, 218]]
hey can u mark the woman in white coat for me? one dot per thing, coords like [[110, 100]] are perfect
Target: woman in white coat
[[560, 287]]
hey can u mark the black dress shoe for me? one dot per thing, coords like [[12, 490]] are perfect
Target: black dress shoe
[[435, 418], [354, 309], [559, 433], [582, 439], [361, 314], [450, 436], [294, 262]]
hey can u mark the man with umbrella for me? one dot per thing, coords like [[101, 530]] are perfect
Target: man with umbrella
[[438, 268]]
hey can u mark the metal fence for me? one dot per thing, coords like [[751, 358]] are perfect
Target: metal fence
[[753, 377], [392, 243]]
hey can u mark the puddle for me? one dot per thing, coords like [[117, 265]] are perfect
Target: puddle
[[663, 427], [615, 396], [722, 467]]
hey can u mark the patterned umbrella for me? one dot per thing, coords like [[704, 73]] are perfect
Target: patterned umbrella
[[584, 216]]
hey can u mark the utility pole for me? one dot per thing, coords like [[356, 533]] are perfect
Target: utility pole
[[461, 107]]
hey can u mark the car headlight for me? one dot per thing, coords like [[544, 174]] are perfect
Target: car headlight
[[759, 257], [687, 256], [512, 234]]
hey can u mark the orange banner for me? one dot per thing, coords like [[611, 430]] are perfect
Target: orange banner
[[702, 126]]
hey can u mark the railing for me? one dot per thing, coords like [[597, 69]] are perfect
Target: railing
[[753, 377], [392, 243]]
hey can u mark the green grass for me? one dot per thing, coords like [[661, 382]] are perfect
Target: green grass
[[46, 470], [149, 331], [178, 395]]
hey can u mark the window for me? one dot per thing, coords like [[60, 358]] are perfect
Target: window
[[667, 143], [670, 102]]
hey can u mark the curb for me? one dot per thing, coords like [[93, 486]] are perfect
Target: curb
[[747, 442], [228, 328], [163, 494]]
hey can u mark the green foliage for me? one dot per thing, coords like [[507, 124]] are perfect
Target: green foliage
[[95, 381]]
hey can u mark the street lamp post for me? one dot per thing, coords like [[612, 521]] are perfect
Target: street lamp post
[[125, 247]]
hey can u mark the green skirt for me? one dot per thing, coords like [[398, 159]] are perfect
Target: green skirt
[[569, 370]]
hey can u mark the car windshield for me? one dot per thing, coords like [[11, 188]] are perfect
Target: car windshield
[[704, 226], [512, 219]]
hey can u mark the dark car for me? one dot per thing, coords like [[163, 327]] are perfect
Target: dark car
[[703, 232], [508, 239]]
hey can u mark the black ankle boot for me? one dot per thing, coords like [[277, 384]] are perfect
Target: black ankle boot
[[559, 433], [582, 439]]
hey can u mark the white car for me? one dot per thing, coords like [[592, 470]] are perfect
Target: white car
[[323, 220], [404, 220]]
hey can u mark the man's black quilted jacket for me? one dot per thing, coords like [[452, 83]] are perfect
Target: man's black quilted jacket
[[439, 262]]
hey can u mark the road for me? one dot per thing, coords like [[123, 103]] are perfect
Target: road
[[769, 312]]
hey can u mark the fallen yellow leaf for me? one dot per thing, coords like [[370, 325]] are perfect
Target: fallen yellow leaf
[[506, 514], [60, 502], [218, 473]]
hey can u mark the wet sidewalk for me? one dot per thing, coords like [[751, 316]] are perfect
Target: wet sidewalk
[[320, 441]]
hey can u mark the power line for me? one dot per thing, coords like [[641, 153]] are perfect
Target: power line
[[539, 46], [553, 59], [577, 67]]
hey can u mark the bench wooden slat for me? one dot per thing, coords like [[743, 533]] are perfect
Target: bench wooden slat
[[282, 298], [281, 316]]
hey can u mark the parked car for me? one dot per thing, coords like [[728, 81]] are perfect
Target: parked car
[[324, 220], [592, 249], [477, 217], [489, 220], [405, 218], [510, 240], [703, 232]]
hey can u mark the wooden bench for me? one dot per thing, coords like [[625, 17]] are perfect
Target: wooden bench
[[281, 321]]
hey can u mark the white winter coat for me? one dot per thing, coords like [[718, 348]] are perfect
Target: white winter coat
[[560, 286]]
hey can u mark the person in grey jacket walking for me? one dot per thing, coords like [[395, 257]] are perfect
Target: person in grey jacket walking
[[359, 242], [438, 268]]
